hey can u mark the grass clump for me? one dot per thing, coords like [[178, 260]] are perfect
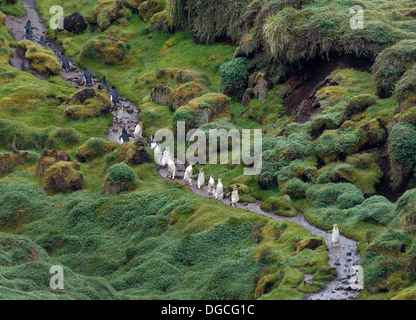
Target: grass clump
[[120, 177]]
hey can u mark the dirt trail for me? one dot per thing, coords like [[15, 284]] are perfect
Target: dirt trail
[[131, 114], [342, 258]]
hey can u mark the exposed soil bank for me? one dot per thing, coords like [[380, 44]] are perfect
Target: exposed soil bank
[[312, 77], [19, 61], [342, 258]]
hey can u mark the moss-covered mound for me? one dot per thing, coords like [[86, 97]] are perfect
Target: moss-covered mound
[[95, 148], [171, 78], [150, 7], [133, 153], [49, 158], [120, 178], [108, 50], [281, 206], [87, 103], [108, 11], [133, 4], [63, 177], [9, 161], [185, 93], [41, 59], [202, 110]]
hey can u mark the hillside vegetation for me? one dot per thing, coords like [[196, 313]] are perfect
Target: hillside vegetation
[[336, 108]]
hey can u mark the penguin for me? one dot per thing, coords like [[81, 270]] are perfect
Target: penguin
[[153, 142], [29, 36], [219, 191], [165, 157], [201, 178], [211, 186], [56, 52], [234, 197], [29, 28], [125, 137], [336, 237], [43, 42], [120, 113], [87, 77], [65, 62], [114, 95], [158, 153], [171, 167], [105, 84], [138, 131], [188, 175]]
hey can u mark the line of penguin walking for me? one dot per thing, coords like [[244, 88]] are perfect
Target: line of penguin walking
[[166, 159], [163, 158], [87, 79]]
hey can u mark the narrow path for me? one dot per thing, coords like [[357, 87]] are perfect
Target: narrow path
[[19, 61], [343, 258]]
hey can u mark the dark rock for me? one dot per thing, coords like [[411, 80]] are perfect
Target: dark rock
[[75, 23]]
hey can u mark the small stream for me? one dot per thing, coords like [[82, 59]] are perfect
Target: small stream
[[342, 258]]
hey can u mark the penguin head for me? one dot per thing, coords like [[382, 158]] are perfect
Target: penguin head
[[201, 170], [219, 180], [235, 188], [211, 176], [141, 123]]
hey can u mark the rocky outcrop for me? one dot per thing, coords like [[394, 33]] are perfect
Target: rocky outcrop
[[49, 158], [258, 86], [63, 177], [160, 95], [87, 103], [134, 153], [75, 23]]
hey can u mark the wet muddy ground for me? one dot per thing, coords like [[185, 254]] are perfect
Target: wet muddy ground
[[342, 258]]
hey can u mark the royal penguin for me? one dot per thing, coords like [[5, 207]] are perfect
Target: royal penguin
[[86, 77], [153, 142], [42, 41], [158, 153], [201, 178], [114, 95], [120, 113], [138, 131], [171, 167], [336, 237], [105, 84], [219, 191], [234, 197], [29, 36], [165, 157], [211, 186], [29, 28], [125, 137], [188, 175], [65, 62]]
